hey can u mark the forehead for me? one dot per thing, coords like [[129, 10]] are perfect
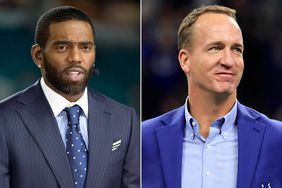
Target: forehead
[[71, 30], [217, 26]]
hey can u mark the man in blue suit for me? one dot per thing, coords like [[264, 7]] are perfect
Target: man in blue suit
[[37, 146], [212, 141]]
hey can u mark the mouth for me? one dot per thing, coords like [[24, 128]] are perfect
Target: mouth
[[74, 74], [225, 76]]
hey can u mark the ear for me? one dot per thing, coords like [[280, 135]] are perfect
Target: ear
[[184, 60], [36, 54]]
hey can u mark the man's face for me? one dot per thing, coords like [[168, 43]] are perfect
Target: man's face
[[215, 61], [68, 57]]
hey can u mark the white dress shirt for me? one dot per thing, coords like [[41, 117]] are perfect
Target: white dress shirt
[[58, 103]]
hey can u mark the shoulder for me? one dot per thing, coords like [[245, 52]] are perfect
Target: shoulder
[[111, 104], [271, 125], [162, 120], [20, 98]]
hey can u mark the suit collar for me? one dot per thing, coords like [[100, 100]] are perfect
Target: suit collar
[[99, 131], [36, 113], [170, 140], [250, 138]]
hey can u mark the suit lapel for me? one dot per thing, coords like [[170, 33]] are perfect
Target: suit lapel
[[250, 137], [99, 131], [170, 140], [42, 126]]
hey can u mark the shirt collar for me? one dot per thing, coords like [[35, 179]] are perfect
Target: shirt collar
[[58, 103], [225, 123]]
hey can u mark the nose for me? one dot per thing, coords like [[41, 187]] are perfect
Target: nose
[[74, 55], [227, 60]]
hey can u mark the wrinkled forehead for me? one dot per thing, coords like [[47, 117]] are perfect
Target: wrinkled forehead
[[217, 25], [75, 31]]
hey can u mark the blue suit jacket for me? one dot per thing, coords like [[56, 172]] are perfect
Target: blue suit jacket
[[259, 150], [32, 153]]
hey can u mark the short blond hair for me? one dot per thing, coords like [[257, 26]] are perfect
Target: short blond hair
[[185, 33]]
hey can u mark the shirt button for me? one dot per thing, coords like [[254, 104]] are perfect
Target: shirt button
[[208, 146], [208, 173]]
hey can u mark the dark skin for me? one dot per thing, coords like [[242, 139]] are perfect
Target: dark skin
[[67, 59]]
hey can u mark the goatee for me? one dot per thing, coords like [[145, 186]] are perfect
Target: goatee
[[57, 80]]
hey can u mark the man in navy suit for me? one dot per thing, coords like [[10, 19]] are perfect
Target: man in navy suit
[[34, 122], [212, 141]]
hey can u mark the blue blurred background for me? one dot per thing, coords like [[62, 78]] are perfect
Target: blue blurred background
[[163, 82], [117, 27]]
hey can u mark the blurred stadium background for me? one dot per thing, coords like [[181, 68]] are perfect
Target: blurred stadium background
[[117, 27], [117, 31], [164, 84]]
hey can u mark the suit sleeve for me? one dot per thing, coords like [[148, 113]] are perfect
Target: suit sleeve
[[4, 158], [131, 170]]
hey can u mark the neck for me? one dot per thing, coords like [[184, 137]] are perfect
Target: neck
[[207, 107], [72, 98]]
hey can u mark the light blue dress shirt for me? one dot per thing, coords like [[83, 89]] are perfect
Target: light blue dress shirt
[[210, 162], [59, 103]]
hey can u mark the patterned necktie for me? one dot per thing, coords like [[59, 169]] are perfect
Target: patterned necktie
[[75, 146]]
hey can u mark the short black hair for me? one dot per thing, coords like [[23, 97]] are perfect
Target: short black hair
[[56, 15]]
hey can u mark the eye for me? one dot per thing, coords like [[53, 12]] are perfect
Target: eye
[[86, 47], [238, 50], [61, 47], [214, 49]]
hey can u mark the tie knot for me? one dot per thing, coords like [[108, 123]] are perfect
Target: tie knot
[[73, 114]]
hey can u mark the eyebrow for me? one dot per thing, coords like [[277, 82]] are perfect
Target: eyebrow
[[219, 43], [71, 42], [238, 45], [214, 43]]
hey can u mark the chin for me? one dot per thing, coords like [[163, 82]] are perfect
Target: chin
[[225, 91]]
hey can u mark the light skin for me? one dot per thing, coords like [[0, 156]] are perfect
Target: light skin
[[70, 51], [213, 66]]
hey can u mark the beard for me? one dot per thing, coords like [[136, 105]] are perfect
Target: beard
[[59, 82]]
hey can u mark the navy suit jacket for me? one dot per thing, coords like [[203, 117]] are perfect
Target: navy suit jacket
[[32, 153], [259, 150]]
